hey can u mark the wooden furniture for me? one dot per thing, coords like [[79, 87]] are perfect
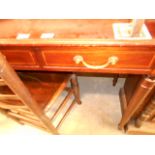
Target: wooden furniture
[[134, 96], [147, 114], [137, 91], [144, 118], [81, 46], [30, 98]]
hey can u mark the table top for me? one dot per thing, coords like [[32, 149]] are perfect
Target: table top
[[67, 32]]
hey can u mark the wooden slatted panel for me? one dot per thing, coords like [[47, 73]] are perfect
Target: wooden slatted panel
[[8, 97]]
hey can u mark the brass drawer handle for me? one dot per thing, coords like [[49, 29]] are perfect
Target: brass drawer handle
[[111, 61]]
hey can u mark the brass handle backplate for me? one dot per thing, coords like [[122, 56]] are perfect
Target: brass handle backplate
[[111, 61]]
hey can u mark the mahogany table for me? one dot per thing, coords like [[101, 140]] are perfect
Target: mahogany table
[[83, 46]]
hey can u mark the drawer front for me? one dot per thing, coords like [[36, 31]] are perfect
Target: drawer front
[[127, 58], [20, 57]]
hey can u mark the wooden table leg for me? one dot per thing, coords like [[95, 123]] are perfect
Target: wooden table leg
[[143, 89], [75, 86], [115, 79]]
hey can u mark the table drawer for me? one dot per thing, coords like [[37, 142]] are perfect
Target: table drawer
[[127, 58], [20, 57]]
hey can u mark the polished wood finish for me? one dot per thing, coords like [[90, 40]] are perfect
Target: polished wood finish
[[75, 85], [20, 57], [115, 79], [135, 60], [147, 114], [66, 113], [127, 93], [13, 81], [3, 111], [131, 82], [62, 29], [143, 90], [39, 90], [123, 100], [93, 40], [63, 104], [130, 59], [145, 111]]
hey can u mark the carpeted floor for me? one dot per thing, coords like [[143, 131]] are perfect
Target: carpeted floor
[[98, 114]]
